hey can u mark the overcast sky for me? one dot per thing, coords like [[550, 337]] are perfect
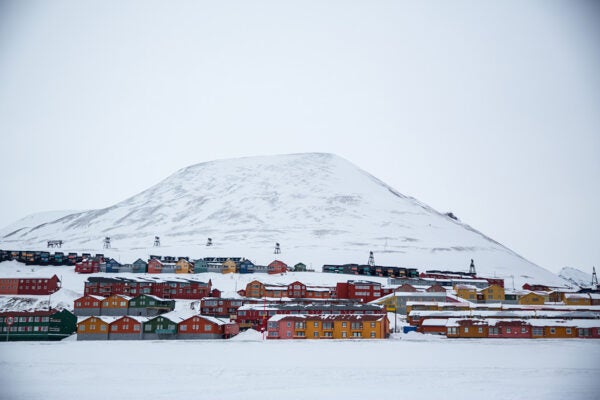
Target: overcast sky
[[489, 110]]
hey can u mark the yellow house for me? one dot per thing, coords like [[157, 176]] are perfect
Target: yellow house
[[577, 299], [532, 298], [467, 292], [183, 266], [347, 327], [492, 293], [229, 267]]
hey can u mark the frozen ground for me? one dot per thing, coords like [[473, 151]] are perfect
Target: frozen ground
[[412, 368]]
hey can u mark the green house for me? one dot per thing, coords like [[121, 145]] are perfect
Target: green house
[[200, 266], [300, 267], [37, 325], [147, 305], [160, 327]]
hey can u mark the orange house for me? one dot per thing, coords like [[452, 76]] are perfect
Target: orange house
[[577, 299], [126, 328], [183, 266], [532, 298], [467, 328], [94, 328], [205, 327], [116, 304]]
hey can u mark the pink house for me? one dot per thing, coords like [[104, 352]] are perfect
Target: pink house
[[282, 326]]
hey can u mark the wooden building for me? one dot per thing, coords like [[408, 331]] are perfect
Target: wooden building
[[147, 305], [277, 267], [126, 328], [36, 325], [39, 286], [88, 305]]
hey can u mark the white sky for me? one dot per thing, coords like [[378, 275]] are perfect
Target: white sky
[[489, 110]]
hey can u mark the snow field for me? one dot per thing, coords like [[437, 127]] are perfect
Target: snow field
[[299, 369]]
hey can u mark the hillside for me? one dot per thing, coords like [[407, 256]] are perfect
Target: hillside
[[321, 208], [576, 276]]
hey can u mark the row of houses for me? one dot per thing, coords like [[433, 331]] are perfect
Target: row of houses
[[364, 291], [255, 316], [30, 285], [183, 265], [120, 305], [514, 328], [371, 270], [300, 326], [39, 324], [497, 293], [31, 257], [173, 288], [169, 326]]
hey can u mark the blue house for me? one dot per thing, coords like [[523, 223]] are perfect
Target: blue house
[[246, 267], [139, 266], [112, 265]]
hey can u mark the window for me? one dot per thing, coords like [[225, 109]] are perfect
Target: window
[[148, 328], [523, 329], [183, 328], [81, 328], [356, 334], [316, 324], [316, 334], [552, 331], [289, 324], [372, 324], [466, 329], [136, 328], [508, 330], [480, 330], [344, 324], [538, 331], [114, 328], [372, 334], [207, 327], [568, 331], [344, 334], [300, 334], [289, 333]]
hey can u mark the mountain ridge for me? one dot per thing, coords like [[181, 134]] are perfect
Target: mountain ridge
[[319, 206]]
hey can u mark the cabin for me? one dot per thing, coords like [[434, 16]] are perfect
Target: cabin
[[359, 290], [300, 267], [436, 326], [467, 292], [492, 293], [200, 266], [436, 288], [229, 267], [531, 298], [87, 266], [577, 299], [147, 305], [183, 266], [88, 305], [161, 327], [115, 305], [205, 327], [466, 328], [277, 267], [111, 265], [94, 328], [139, 266], [36, 325], [246, 267], [126, 328], [155, 266]]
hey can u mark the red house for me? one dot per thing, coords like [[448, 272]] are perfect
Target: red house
[[9, 286], [277, 267], [87, 266], [364, 291], [34, 286], [204, 327]]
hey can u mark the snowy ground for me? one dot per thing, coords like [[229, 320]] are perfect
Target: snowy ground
[[416, 367]]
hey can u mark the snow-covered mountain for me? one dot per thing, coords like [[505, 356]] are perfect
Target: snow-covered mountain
[[319, 207], [576, 276]]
